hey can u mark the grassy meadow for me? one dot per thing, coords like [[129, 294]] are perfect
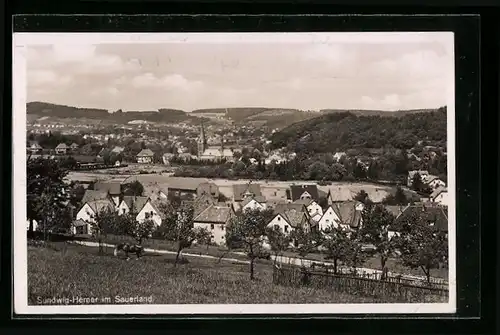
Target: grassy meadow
[[63, 270]]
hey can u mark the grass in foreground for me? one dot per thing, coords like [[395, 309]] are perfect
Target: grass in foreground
[[63, 271]]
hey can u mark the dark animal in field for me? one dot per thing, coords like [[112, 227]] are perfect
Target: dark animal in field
[[129, 248]]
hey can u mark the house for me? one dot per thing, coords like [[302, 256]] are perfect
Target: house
[[145, 156], [35, 148], [215, 220], [86, 216], [411, 175], [304, 191], [434, 215], [253, 203], [113, 189], [93, 195], [74, 146], [440, 196], [208, 188], [201, 203], [313, 208], [242, 191], [183, 188], [433, 181], [345, 214], [142, 207], [61, 149], [289, 219]]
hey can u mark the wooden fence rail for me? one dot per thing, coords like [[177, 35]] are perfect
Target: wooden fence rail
[[389, 291]]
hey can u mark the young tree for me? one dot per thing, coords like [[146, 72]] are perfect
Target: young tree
[[306, 242], [134, 188], [141, 230], [363, 197], [46, 194], [177, 227], [417, 184], [337, 245], [355, 255], [375, 230], [247, 229], [422, 245], [278, 241], [104, 221], [399, 198]]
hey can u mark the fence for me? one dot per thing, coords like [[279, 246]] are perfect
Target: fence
[[386, 290], [390, 277]]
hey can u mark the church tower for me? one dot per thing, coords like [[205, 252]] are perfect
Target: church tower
[[202, 141]]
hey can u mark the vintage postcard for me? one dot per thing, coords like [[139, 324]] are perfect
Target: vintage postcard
[[223, 173]]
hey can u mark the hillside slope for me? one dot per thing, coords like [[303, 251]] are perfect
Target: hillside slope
[[36, 110], [345, 130]]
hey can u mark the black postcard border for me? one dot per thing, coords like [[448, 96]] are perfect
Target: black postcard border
[[467, 120]]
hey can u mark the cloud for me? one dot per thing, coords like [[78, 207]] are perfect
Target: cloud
[[171, 81], [47, 77]]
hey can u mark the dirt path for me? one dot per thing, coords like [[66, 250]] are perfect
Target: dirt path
[[280, 259]]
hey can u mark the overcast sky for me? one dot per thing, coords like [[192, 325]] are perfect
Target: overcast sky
[[307, 75]]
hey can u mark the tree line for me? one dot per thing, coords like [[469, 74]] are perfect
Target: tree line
[[341, 131]]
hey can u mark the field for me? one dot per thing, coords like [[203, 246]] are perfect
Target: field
[[61, 270]]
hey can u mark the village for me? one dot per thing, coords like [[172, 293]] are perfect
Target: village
[[233, 183]]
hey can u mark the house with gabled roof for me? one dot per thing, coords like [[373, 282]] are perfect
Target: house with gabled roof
[[433, 215], [113, 189], [304, 191], [184, 188], [253, 203], [209, 188], [313, 208], [290, 219], [34, 147], [142, 207], [242, 191], [87, 214], [74, 146], [145, 156], [215, 219], [61, 149], [440, 196], [345, 214]]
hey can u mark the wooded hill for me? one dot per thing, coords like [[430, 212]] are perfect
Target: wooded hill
[[346, 130], [42, 109]]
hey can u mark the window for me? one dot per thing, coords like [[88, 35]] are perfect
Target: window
[[222, 228], [222, 237], [123, 210], [279, 218], [146, 215], [212, 226], [286, 229], [152, 214], [276, 227], [327, 220]]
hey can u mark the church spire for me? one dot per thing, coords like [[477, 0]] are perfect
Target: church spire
[[202, 141]]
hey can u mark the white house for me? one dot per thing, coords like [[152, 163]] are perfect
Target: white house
[[330, 217], [143, 206], [279, 222], [145, 156], [433, 182], [87, 214], [254, 203], [313, 208], [440, 196], [214, 219]]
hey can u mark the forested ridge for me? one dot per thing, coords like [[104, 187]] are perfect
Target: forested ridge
[[345, 130]]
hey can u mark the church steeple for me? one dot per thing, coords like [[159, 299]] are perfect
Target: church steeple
[[202, 141]]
